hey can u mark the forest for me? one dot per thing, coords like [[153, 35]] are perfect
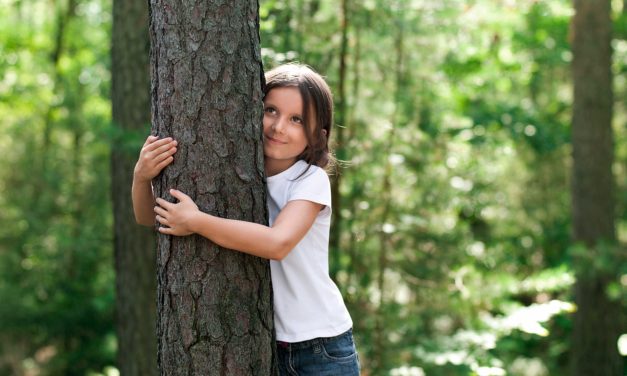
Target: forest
[[481, 216]]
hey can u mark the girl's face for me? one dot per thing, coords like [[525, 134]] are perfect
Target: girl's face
[[284, 137]]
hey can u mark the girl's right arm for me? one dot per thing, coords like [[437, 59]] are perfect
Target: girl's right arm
[[274, 243], [155, 155]]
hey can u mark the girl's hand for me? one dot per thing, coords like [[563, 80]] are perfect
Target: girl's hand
[[155, 155], [177, 217]]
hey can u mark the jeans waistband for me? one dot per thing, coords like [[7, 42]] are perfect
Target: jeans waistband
[[311, 342]]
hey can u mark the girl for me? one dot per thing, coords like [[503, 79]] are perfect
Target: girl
[[313, 326]]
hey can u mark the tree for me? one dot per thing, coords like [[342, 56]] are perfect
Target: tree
[[135, 260], [214, 307], [334, 240], [598, 318]]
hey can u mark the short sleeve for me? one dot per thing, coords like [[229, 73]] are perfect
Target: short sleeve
[[313, 186]]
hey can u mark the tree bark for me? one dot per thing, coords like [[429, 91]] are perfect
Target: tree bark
[[135, 258], [597, 320], [214, 305]]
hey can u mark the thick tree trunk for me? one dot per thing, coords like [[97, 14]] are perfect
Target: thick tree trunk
[[597, 320], [135, 257], [214, 305]]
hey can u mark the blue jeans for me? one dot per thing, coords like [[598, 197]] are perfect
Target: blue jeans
[[333, 356]]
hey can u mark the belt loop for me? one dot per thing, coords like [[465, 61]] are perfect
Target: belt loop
[[317, 347], [284, 345]]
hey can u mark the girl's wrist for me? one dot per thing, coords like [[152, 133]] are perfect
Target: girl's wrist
[[194, 221], [140, 180]]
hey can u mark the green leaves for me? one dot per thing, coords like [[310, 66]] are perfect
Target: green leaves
[[56, 279]]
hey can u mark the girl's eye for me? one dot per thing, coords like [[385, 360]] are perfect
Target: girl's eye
[[297, 120], [270, 110]]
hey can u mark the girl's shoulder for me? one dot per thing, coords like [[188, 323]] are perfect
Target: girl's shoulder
[[310, 173], [310, 183], [299, 174]]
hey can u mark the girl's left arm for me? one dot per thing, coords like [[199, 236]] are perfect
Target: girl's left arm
[[290, 226]]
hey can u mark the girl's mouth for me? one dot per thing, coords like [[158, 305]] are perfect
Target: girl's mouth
[[275, 141]]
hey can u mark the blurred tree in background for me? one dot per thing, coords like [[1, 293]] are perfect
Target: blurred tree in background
[[594, 336], [454, 248], [133, 245], [56, 274]]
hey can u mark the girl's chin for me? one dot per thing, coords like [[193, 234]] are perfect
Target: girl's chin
[[279, 161]]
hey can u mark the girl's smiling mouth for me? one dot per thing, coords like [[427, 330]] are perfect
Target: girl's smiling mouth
[[275, 141]]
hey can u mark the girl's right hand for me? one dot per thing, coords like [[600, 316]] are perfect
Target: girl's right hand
[[155, 155]]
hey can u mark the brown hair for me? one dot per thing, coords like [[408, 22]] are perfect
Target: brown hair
[[317, 98]]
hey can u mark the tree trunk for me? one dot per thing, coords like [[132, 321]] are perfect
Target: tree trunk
[[135, 258], [214, 306], [334, 240], [62, 19], [597, 320]]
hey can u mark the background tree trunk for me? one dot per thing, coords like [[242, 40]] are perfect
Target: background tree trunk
[[214, 306], [598, 318], [135, 259], [340, 110]]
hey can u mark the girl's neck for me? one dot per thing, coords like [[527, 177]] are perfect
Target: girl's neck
[[275, 167]]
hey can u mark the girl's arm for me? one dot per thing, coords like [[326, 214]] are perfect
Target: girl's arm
[[143, 201], [291, 225], [155, 155]]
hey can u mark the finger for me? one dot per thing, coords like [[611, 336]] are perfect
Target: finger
[[162, 220], [150, 139], [178, 195], [165, 148], [161, 156], [156, 163], [165, 230], [161, 212], [164, 204], [164, 163], [158, 143]]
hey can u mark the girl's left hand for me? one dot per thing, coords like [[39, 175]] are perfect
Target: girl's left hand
[[176, 216]]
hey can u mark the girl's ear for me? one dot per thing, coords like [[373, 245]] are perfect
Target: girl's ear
[[324, 132]]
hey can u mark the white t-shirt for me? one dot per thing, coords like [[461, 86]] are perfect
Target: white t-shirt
[[307, 304]]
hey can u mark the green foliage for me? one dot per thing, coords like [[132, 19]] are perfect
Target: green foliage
[[464, 107], [56, 280]]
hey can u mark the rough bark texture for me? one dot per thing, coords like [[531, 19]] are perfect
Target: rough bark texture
[[214, 305], [135, 259], [597, 320]]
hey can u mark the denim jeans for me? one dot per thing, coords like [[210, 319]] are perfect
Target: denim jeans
[[333, 356]]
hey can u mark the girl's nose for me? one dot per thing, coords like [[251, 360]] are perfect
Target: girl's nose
[[278, 125]]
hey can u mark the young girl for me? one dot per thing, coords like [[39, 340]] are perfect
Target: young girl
[[313, 326]]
